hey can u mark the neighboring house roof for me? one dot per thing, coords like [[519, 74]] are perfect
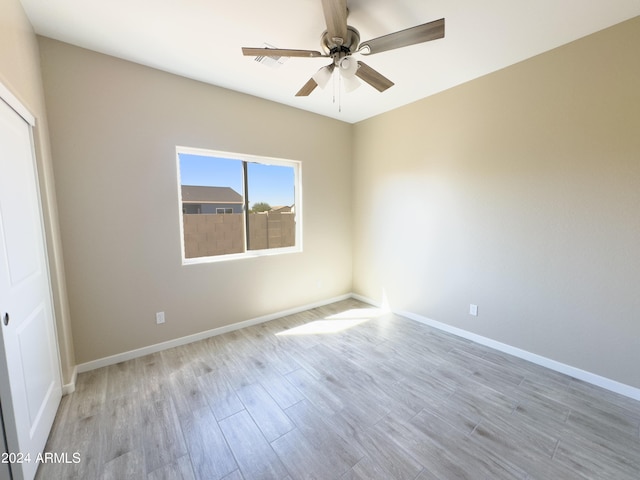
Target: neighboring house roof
[[200, 194], [281, 209]]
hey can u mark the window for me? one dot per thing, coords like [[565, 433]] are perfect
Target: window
[[234, 206]]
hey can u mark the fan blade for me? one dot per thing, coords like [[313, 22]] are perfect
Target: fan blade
[[280, 52], [372, 77], [411, 36], [335, 16], [307, 88]]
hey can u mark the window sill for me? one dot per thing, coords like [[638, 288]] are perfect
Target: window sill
[[239, 256]]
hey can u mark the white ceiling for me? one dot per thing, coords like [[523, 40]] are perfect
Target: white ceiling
[[201, 39]]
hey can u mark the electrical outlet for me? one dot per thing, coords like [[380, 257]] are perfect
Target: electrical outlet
[[473, 310], [159, 318]]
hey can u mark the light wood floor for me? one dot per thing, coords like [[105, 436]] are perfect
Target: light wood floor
[[385, 398]]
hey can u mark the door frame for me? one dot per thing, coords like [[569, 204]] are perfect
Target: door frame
[[11, 100]]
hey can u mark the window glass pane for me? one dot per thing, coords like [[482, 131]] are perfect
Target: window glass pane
[[271, 192], [232, 205], [212, 205]]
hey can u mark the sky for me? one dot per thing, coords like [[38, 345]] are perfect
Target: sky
[[273, 184]]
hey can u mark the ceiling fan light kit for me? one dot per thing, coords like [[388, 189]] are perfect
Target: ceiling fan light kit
[[349, 83], [340, 41], [348, 67], [322, 76]]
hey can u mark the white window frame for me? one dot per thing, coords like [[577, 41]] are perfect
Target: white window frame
[[243, 157]]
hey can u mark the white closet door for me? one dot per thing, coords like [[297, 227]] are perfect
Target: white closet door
[[30, 383]]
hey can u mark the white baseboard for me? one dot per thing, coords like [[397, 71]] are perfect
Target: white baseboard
[[140, 352], [368, 300], [70, 387], [592, 378]]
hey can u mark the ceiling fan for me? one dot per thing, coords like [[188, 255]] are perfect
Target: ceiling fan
[[339, 41]]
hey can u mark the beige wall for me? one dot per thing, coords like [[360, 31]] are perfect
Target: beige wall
[[518, 192], [114, 129], [20, 73]]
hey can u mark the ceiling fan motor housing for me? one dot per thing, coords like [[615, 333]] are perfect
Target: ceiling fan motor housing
[[338, 48]]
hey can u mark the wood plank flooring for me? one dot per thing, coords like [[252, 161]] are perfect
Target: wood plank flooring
[[341, 392]]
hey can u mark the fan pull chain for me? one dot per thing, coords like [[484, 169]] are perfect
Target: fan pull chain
[[339, 93], [333, 86]]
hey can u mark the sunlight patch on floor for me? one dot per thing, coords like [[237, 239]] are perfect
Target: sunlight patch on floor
[[336, 323], [367, 313], [319, 327]]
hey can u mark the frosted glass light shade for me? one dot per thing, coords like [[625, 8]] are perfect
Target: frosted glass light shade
[[322, 76], [348, 66], [350, 83]]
